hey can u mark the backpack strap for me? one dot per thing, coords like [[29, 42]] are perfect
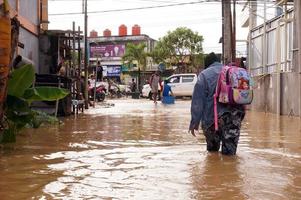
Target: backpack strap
[[215, 96]]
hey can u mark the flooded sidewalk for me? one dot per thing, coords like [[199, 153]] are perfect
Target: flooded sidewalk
[[134, 149]]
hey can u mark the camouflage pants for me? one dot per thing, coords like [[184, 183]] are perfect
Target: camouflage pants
[[228, 133]]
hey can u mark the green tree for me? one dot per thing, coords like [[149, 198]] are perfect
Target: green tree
[[179, 47], [135, 53]]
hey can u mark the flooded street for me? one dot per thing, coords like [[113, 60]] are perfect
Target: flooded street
[[138, 150]]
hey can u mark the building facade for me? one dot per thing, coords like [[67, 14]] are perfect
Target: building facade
[[273, 60], [33, 17], [109, 49]]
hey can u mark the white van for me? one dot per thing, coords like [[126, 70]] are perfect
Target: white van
[[181, 85]]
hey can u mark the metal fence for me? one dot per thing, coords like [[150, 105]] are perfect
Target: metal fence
[[271, 46]]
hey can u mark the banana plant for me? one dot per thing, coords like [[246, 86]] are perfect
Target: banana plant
[[21, 93]]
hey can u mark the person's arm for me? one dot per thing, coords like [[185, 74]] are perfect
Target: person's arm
[[197, 104], [171, 93], [151, 81], [160, 83]]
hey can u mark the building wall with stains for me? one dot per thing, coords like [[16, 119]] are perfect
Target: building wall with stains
[[273, 66], [29, 14]]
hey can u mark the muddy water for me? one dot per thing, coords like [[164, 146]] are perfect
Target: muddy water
[[136, 150]]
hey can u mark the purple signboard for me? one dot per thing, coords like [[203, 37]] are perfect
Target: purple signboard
[[107, 51]]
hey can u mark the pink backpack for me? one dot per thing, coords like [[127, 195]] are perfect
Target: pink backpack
[[233, 87]]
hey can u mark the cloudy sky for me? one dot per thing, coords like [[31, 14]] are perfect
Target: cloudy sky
[[159, 17]]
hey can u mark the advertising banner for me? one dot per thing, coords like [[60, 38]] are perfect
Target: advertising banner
[[112, 70], [107, 51]]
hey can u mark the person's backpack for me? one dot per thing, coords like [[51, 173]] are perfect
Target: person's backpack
[[233, 88]]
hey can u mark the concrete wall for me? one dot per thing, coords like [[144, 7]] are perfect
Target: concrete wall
[[290, 90], [265, 94], [31, 47], [45, 55]]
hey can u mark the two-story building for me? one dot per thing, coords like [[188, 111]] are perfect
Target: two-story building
[[109, 49]]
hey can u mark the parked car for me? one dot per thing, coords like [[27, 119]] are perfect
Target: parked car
[[181, 85]]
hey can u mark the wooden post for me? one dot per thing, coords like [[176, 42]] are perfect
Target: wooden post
[[86, 57], [73, 49], [234, 32], [264, 40], [69, 68], [6, 50], [79, 52], [227, 31], [252, 24]]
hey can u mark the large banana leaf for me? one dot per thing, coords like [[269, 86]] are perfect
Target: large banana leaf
[[42, 93], [20, 80], [18, 112]]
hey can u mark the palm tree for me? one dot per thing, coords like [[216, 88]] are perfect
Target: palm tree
[[135, 53]]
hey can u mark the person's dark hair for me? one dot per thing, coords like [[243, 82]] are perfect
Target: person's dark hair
[[165, 81], [242, 64], [210, 59]]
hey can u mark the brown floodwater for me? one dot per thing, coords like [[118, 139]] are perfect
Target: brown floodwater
[[138, 150]]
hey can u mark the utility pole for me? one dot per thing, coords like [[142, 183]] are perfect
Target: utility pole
[[234, 32], [79, 59], [252, 24], [264, 45], [73, 48], [86, 56], [227, 31]]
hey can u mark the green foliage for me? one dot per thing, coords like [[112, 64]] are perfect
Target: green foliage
[[8, 136], [178, 46], [44, 94], [41, 118], [20, 80], [18, 113], [160, 53], [135, 53]]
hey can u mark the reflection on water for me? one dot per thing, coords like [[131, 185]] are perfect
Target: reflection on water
[[138, 150]]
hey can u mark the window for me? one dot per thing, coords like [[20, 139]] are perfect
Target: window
[[187, 79], [175, 79]]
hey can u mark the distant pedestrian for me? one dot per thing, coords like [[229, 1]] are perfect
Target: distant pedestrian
[[166, 89], [99, 70], [167, 94], [155, 82], [202, 111], [133, 86]]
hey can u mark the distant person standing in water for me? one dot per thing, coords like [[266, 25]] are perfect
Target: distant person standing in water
[[154, 82], [133, 86], [166, 90]]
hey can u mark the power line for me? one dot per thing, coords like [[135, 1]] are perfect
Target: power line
[[146, 7], [131, 9], [153, 1]]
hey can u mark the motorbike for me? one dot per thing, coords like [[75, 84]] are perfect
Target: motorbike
[[114, 90], [100, 93]]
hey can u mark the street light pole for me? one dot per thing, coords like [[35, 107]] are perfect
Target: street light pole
[[86, 55]]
